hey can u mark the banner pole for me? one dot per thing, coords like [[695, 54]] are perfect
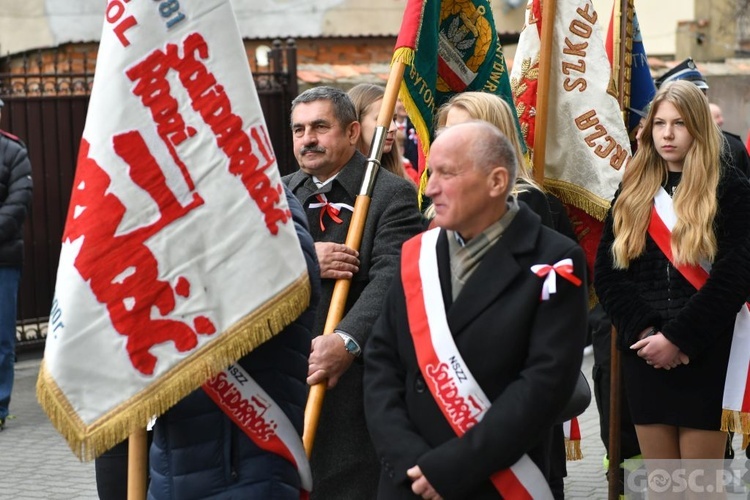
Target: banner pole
[[613, 473], [354, 240], [137, 464], [549, 9], [620, 51]]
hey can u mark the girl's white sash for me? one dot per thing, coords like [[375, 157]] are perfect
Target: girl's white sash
[[736, 401]]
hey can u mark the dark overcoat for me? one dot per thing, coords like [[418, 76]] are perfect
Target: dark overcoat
[[524, 352]]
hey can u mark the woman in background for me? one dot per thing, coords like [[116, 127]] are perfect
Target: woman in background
[[491, 108], [367, 99]]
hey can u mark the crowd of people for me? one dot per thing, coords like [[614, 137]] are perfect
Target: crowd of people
[[463, 330], [447, 375]]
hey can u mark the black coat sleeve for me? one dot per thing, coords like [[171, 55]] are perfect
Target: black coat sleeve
[[537, 201], [15, 199], [618, 294]]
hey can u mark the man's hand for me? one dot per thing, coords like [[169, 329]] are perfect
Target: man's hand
[[329, 359], [420, 485], [659, 352], [337, 261]]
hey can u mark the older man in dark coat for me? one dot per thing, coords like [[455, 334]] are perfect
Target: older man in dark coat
[[481, 337], [331, 171]]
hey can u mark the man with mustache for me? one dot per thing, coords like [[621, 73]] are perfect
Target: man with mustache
[[326, 131]]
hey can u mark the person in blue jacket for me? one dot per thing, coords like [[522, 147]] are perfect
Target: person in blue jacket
[[199, 453]]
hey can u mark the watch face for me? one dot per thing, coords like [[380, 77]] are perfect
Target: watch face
[[351, 347]]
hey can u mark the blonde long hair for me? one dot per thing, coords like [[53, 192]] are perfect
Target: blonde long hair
[[363, 95], [695, 203], [493, 109]]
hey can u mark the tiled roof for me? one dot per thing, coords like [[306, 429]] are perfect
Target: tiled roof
[[352, 74], [346, 74]]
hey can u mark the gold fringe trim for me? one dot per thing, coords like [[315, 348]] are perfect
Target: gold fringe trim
[[422, 187], [403, 55], [575, 195], [573, 450], [88, 442], [735, 421], [415, 115]]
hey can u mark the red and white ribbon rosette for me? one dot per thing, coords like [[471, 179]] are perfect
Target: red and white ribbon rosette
[[332, 209], [563, 268]]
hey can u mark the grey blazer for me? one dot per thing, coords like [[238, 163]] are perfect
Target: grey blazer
[[343, 462]]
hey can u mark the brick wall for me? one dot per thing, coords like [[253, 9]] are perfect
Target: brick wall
[[345, 50], [70, 68]]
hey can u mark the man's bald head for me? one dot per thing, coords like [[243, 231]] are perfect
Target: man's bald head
[[472, 170]]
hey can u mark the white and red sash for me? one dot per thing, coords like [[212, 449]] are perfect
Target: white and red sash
[[252, 409], [736, 401], [460, 398]]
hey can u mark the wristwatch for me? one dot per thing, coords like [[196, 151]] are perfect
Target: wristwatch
[[350, 344]]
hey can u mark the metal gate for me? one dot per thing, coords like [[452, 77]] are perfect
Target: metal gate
[[45, 105]]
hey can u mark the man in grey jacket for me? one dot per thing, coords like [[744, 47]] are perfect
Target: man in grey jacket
[[325, 133]]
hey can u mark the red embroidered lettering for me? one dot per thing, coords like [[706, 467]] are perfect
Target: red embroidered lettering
[[457, 409], [120, 268], [249, 412]]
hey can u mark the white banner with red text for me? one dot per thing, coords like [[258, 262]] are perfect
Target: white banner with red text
[[179, 255]]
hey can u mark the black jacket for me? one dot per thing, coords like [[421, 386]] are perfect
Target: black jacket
[[15, 197], [651, 292], [735, 148]]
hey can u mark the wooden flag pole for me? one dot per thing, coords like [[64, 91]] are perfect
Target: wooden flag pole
[[619, 55], [613, 451], [137, 464], [354, 240], [549, 8]]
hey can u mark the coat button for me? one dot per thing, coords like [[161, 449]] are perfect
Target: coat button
[[419, 385]]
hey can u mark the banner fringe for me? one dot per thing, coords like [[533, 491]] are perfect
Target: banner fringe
[[88, 442], [579, 197], [737, 422], [420, 127], [573, 450]]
